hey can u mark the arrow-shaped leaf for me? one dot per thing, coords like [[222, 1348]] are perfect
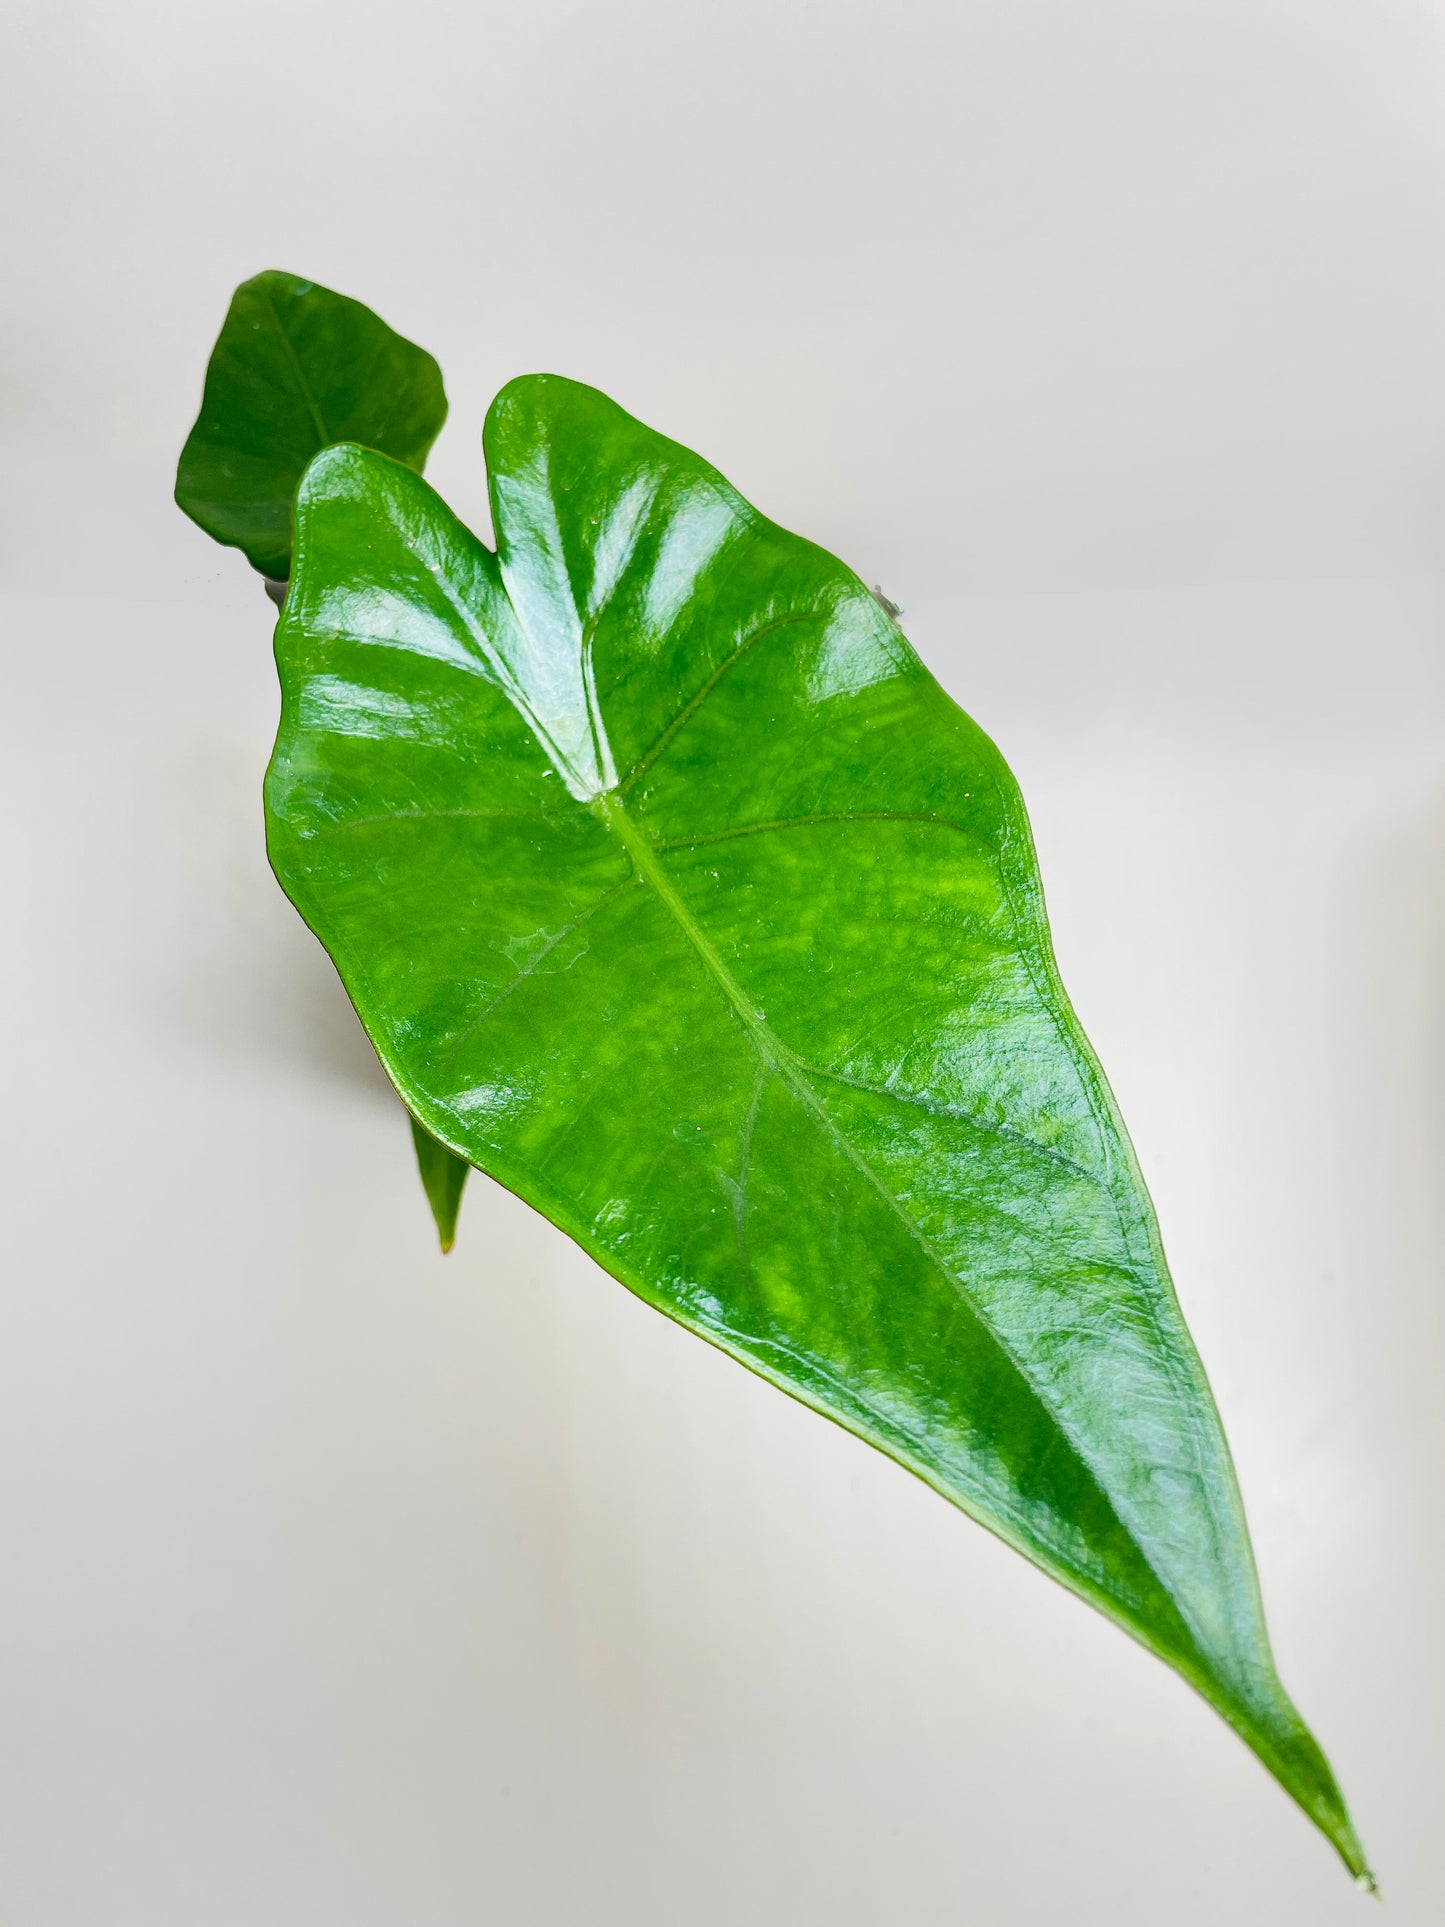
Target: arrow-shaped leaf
[[295, 368], [676, 894]]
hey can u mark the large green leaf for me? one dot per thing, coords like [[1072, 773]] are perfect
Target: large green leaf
[[676, 894], [295, 368]]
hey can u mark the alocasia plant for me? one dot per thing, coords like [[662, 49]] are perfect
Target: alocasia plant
[[674, 893]]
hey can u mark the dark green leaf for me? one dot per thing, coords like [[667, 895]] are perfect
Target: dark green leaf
[[676, 895], [444, 1177], [295, 368]]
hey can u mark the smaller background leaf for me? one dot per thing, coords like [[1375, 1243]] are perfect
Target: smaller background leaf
[[295, 368], [444, 1177]]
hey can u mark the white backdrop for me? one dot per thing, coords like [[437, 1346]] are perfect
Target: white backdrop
[[348, 1587]]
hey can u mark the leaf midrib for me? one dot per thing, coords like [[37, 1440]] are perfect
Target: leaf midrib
[[313, 406], [608, 806], [612, 811]]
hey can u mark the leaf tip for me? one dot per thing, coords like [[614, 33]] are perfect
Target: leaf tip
[[443, 1177], [1340, 1830]]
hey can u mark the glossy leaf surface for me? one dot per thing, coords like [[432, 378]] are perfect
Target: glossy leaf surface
[[676, 894], [295, 368]]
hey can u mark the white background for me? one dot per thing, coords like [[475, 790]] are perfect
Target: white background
[[347, 1587]]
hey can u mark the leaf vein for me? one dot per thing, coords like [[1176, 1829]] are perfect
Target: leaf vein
[[531, 967], [409, 816], [825, 816], [313, 406], [745, 1160], [954, 1111], [700, 696]]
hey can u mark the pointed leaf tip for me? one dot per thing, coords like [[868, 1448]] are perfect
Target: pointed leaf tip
[[444, 1178]]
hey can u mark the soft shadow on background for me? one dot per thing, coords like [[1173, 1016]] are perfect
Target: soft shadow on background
[[349, 1586]]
